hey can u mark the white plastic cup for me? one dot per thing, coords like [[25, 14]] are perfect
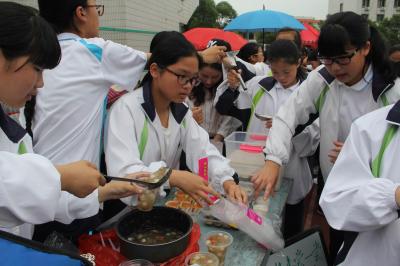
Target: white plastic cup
[[219, 249]]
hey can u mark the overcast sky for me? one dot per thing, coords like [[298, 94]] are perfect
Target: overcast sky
[[304, 8]]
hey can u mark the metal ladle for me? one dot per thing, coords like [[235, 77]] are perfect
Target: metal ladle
[[164, 172]]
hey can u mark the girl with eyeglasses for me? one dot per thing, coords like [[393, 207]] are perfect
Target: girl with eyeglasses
[[264, 95], [356, 79], [151, 126]]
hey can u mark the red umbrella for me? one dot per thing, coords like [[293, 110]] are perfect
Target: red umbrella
[[310, 36], [200, 37]]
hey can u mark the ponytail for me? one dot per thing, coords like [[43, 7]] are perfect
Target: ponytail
[[29, 113], [378, 56]]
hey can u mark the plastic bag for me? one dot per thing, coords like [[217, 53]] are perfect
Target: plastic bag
[[249, 222]]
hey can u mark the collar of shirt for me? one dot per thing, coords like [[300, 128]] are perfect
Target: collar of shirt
[[291, 88], [363, 83], [67, 36]]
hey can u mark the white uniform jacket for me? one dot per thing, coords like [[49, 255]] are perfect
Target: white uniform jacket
[[336, 105], [264, 95], [136, 141], [29, 184], [70, 109], [359, 194]]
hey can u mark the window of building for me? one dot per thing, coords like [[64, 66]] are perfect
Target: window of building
[[341, 7], [381, 3], [396, 3], [380, 17], [365, 3]]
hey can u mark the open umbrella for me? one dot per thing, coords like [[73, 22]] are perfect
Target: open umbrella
[[309, 36], [200, 37], [263, 20]]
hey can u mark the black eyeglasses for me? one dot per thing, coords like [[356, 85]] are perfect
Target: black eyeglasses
[[340, 60], [99, 9], [183, 80]]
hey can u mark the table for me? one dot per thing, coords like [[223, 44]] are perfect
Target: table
[[244, 250]]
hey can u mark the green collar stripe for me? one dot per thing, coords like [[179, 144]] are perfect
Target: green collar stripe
[[384, 100], [144, 136], [22, 148], [256, 99], [377, 162], [321, 99]]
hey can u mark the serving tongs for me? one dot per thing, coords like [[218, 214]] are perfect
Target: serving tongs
[[164, 172]]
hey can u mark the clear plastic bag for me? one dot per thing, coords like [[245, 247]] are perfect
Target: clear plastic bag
[[260, 229]]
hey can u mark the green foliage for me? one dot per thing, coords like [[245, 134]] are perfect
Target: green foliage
[[225, 13], [205, 15], [209, 15], [390, 29]]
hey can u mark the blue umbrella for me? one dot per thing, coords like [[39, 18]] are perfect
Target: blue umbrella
[[263, 20]]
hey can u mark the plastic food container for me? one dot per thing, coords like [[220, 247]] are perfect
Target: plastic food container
[[201, 259], [218, 243], [246, 155], [146, 200]]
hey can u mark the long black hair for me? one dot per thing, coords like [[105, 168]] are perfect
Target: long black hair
[[24, 33], [169, 51], [287, 51], [60, 13], [198, 94], [348, 28]]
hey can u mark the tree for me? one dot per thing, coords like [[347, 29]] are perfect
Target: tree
[[205, 15], [390, 29], [225, 13]]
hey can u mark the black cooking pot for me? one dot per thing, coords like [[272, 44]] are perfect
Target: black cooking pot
[[159, 216]]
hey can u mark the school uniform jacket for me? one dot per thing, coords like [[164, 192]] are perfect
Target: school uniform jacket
[[135, 140], [336, 105], [29, 184], [359, 194]]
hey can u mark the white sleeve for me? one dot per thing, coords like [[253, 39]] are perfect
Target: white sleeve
[[295, 111], [306, 143], [29, 189], [197, 145], [353, 199], [71, 207], [122, 65], [228, 125]]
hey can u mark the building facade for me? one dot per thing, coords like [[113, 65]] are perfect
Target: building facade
[[375, 10], [135, 22]]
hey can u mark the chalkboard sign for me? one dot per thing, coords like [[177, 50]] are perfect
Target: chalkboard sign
[[306, 249]]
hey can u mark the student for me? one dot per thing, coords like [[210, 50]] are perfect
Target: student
[[201, 100], [251, 53], [265, 95], [356, 78], [362, 193], [30, 185], [149, 127], [67, 116]]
